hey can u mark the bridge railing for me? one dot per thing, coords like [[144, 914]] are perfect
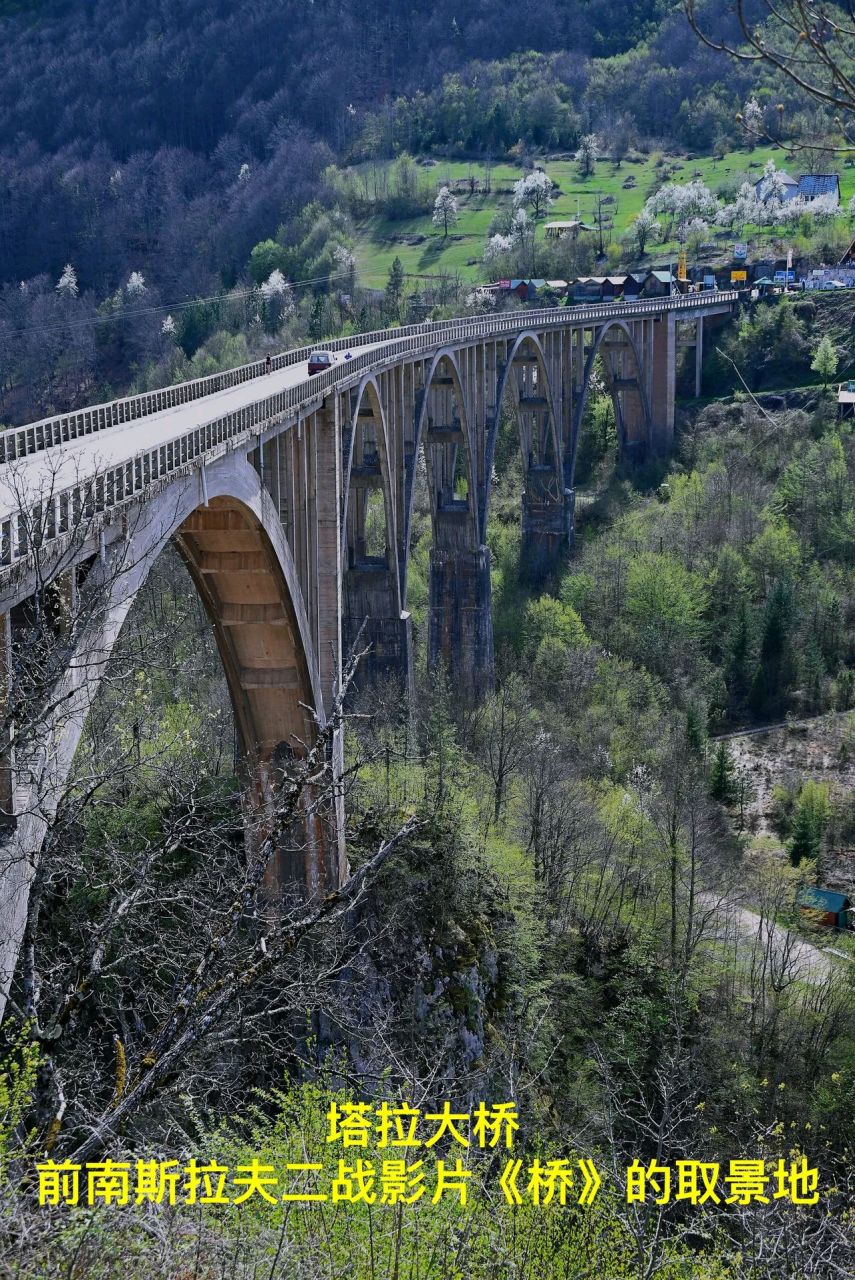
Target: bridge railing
[[59, 513], [46, 433]]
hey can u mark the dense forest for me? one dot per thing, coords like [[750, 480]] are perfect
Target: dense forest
[[160, 144], [582, 895]]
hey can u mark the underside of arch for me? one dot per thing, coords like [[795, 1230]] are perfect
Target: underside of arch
[[234, 567], [373, 620], [546, 513], [460, 628], [624, 373]]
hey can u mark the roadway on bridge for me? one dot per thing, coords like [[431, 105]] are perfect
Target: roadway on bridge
[[28, 480]]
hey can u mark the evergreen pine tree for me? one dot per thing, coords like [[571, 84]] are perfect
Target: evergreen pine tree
[[809, 823], [695, 729], [773, 670], [394, 291], [721, 775]]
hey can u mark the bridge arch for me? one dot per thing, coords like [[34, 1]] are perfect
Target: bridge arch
[[545, 514], [460, 630], [629, 393], [449, 456], [372, 590], [230, 537], [527, 346], [367, 472]]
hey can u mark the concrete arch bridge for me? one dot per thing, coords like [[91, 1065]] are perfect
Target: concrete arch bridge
[[291, 501]]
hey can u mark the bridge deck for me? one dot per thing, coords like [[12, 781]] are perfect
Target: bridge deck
[[60, 467], [60, 453]]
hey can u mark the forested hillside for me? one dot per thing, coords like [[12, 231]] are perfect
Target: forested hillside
[[151, 148], [179, 97]]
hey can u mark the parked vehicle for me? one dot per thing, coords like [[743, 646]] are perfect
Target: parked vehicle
[[319, 361]]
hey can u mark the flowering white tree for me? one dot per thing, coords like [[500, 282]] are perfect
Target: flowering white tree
[[694, 232], [521, 228], [275, 286], [135, 287], [771, 189], [744, 209], [587, 155], [823, 208], [752, 116], [445, 213], [681, 201], [499, 246], [644, 228], [245, 173], [67, 285], [480, 299], [345, 262], [168, 327], [533, 191], [278, 297]]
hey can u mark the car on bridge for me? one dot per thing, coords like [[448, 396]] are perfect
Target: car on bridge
[[319, 361]]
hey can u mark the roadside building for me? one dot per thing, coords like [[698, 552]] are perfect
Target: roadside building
[[846, 400], [789, 187], [634, 283], [812, 185], [826, 908], [659, 284], [569, 229]]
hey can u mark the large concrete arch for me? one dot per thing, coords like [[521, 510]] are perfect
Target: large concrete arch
[[526, 339], [239, 559], [546, 513], [372, 590], [460, 627], [446, 355], [641, 439]]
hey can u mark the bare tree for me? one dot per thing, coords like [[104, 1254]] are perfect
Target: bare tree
[[810, 43], [502, 733]]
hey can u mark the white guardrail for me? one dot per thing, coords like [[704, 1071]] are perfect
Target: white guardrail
[[63, 510]]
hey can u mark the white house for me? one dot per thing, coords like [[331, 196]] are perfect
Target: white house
[[789, 187]]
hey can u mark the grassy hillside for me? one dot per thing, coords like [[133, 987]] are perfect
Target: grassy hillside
[[423, 249]]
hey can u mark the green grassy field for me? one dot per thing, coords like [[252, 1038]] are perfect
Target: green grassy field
[[423, 250]]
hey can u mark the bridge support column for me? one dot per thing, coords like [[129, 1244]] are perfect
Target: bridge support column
[[372, 621], [328, 482], [461, 620], [664, 377], [547, 524]]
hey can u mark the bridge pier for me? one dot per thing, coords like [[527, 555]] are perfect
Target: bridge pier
[[373, 622], [663, 374], [460, 633], [547, 524]]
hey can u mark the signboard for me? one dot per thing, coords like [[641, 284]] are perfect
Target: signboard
[[738, 277], [784, 277], [740, 252]]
